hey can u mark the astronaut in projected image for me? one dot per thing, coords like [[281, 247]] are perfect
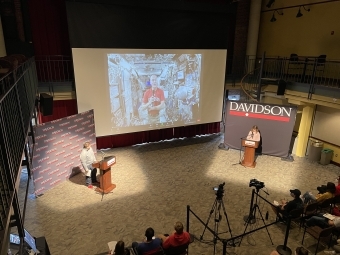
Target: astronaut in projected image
[[153, 100], [186, 99]]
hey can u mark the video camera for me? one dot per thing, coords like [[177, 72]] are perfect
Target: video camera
[[255, 183], [219, 190]]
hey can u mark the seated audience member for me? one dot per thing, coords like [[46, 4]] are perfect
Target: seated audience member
[[298, 251], [177, 238], [149, 245], [286, 207], [337, 187], [323, 188], [308, 197], [322, 222], [120, 249], [336, 211]]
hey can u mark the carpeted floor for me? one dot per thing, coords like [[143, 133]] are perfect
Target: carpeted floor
[[155, 183]]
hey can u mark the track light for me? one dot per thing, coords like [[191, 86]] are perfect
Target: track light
[[269, 4], [299, 14], [273, 19], [308, 9]]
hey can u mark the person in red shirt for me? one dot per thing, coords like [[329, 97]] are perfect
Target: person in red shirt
[[177, 238], [153, 100], [337, 187]]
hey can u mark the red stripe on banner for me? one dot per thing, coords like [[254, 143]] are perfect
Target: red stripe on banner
[[259, 116]]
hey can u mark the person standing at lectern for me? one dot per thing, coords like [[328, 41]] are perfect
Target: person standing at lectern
[[254, 134], [153, 100], [87, 157]]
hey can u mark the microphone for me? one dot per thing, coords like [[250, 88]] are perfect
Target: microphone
[[103, 154], [252, 134]]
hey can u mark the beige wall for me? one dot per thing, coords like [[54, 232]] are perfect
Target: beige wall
[[327, 124], [326, 128], [309, 35]]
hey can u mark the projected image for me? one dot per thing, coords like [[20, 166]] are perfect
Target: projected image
[[154, 89]]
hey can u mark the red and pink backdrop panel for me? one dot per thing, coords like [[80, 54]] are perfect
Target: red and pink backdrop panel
[[57, 149]]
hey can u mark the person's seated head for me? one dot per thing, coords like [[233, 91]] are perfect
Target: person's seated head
[[301, 251], [295, 193], [120, 248], [179, 227], [149, 233], [331, 187]]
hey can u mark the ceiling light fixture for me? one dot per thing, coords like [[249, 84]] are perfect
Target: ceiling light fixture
[[269, 4], [273, 19], [299, 14]]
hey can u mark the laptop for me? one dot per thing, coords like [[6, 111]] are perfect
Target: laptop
[[14, 239], [29, 240]]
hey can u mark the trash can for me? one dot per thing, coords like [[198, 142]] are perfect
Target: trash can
[[326, 156], [315, 149]]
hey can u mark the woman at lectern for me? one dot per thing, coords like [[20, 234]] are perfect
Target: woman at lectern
[[254, 134]]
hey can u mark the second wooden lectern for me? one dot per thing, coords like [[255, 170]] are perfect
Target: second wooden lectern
[[249, 153], [105, 174]]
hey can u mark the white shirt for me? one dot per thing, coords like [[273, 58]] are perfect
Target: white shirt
[[87, 157], [254, 136]]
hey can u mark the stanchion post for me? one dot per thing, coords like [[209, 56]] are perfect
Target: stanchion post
[[283, 249]]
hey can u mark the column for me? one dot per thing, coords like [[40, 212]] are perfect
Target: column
[[253, 31], [304, 129]]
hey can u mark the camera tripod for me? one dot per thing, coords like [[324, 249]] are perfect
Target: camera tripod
[[251, 218], [216, 207]]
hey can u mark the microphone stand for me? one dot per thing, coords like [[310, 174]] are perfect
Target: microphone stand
[[103, 154], [240, 161]]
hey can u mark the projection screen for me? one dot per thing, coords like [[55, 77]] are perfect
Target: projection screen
[[135, 90]]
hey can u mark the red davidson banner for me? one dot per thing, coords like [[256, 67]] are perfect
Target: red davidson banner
[[57, 149], [276, 123], [268, 112]]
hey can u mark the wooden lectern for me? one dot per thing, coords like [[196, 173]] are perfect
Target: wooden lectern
[[249, 152], [105, 174]]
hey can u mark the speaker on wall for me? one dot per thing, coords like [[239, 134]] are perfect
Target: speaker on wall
[[46, 104], [281, 87]]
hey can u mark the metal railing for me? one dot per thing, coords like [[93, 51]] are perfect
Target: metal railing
[[308, 70], [59, 68], [250, 83], [303, 70], [54, 68], [17, 102]]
